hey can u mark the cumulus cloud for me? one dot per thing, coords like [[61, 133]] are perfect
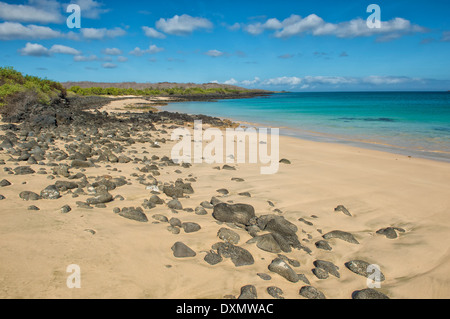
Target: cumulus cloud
[[152, 49], [62, 49], [251, 82], [82, 58], [339, 80], [122, 59], [34, 49], [152, 33], [18, 31], [295, 25], [258, 28], [112, 51], [38, 50], [284, 80], [308, 82], [234, 27], [182, 25], [231, 82], [380, 80], [109, 65], [39, 11], [99, 34]]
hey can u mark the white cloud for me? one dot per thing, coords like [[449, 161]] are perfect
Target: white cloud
[[34, 49], [99, 34], [109, 65], [251, 82], [82, 58], [339, 80], [40, 11], [38, 50], [152, 33], [285, 80], [122, 59], [183, 25], [296, 25], [138, 52], [112, 51], [380, 80], [308, 82], [233, 27], [231, 82], [389, 30], [153, 49], [62, 49], [90, 9], [214, 53], [17, 31]]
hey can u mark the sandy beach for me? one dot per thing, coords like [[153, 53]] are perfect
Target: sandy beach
[[123, 258]]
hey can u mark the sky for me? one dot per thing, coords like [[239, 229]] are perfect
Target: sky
[[302, 46]]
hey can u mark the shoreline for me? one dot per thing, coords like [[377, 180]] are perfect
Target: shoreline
[[321, 137]]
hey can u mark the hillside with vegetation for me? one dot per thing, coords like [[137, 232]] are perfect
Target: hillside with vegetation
[[16, 88], [159, 89]]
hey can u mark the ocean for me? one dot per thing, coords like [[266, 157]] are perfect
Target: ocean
[[408, 123]]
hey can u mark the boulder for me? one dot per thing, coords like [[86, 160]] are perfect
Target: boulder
[[311, 292], [132, 213], [50, 192], [228, 236], [345, 236], [279, 266], [368, 293], [180, 250], [248, 292], [237, 213], [364, 269], [239, 256]]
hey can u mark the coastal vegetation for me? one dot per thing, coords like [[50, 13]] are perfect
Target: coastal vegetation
[[175, 91], [16, 87]]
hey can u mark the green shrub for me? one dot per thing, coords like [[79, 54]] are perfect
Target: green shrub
[[12, 83]]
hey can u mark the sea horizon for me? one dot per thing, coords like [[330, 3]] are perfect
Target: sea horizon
[[392, 125]]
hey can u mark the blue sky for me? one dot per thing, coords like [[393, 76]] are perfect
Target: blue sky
[[278, 45]]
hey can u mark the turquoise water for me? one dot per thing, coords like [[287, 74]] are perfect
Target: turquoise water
[[411, 123]]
